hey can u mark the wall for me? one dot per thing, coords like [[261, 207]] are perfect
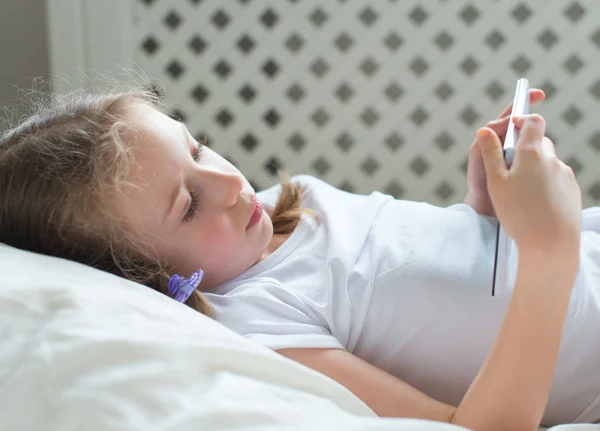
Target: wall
[[373, 94], [368, 95], [23, 47]]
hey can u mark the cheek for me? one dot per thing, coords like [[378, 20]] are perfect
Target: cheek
[[220, 243], [218, 247]]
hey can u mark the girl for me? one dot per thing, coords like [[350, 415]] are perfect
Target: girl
[[390, 298]]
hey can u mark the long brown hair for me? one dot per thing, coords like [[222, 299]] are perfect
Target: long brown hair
[[59, 165]]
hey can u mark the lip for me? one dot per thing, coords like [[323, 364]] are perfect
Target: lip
[[257, 209]]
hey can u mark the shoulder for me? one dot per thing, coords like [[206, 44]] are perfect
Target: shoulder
[[259, 296], [309, 184], [271, 314], [310, 181], [303, 180], [258, 292]]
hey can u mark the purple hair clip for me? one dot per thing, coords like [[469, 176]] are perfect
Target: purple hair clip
[[181, 289]]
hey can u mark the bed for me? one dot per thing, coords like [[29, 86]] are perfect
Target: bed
[[84, 350]]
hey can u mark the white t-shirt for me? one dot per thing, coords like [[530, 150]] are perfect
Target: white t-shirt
[[407, 287]]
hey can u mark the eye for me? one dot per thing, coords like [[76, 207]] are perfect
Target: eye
[[198, 150], [191, 212]]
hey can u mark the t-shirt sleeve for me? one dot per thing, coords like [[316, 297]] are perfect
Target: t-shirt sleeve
[[270, 314], [468, 209]]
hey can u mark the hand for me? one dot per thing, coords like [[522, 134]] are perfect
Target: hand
[[477, 195], [538, 200]]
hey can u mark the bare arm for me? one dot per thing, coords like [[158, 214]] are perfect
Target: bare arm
[[539, 204], [512, 387], [477, 196], [385, 394]]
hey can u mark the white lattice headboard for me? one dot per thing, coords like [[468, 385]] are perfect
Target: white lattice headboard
[[365, 94]]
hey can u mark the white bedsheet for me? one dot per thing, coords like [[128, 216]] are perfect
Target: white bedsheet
[[84, 350]]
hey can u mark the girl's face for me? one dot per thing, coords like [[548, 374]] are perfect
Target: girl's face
[[191, 205]]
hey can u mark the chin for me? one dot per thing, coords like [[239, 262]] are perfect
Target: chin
[[267, 222], [267, 228], [262, 249], [266, 233]]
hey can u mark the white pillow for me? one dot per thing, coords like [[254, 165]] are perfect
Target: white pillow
[[84, 350]]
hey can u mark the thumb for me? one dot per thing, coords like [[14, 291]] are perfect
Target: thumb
[[493, 154]]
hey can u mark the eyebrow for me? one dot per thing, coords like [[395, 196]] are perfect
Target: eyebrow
[[175, 193]]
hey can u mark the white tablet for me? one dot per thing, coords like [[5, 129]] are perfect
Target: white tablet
[[505, 246]]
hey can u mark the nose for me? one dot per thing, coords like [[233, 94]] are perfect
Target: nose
[[220, 186]]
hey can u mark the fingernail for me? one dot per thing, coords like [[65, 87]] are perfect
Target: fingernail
[[517, 119]]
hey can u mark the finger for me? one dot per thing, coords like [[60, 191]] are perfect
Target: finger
[[531, 128], [499, 126], [535, 96], [567, 168], [493, 155], [548, 147]]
